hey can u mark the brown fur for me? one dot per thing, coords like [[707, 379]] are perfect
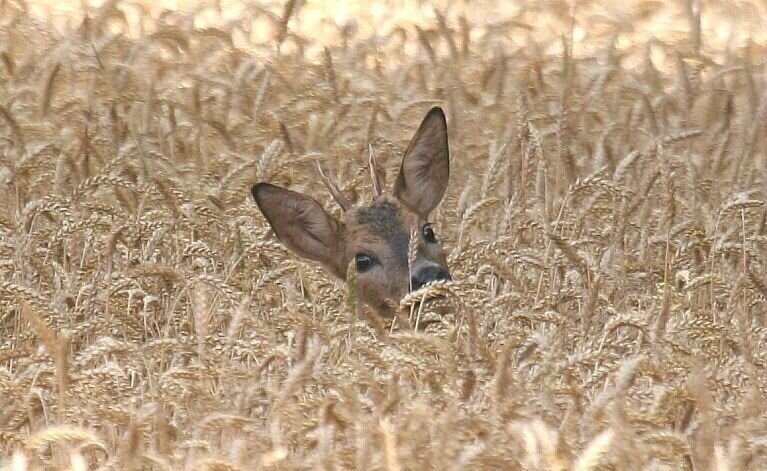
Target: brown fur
[[382, 230]]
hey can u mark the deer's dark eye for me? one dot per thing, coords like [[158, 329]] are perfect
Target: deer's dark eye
[[428, 234], [363, 261]]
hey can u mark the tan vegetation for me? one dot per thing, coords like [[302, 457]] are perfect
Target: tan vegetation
[[605, 225]]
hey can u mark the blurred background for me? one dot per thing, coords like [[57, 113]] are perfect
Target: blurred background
[[726, 23]]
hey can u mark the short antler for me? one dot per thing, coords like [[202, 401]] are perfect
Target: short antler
[[374, 172], [342, 200]]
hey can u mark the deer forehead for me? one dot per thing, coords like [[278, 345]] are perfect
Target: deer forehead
[[386, 222]]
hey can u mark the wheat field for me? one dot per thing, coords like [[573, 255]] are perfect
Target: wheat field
[[605, 224]]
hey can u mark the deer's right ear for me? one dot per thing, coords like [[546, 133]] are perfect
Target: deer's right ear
[[302, 225]]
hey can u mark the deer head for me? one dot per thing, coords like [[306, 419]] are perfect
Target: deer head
[[377, 235]]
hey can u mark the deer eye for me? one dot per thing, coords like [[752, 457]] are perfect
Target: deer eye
[[363, 261], [428, 233]]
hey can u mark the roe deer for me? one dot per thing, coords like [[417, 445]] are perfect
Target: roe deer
[[376, 235]]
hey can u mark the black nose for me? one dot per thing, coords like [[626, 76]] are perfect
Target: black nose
[[427, 274]]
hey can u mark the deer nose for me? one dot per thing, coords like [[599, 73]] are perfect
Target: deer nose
[[427, 274]]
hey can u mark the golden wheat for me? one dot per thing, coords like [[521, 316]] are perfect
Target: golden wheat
[[605, 225]]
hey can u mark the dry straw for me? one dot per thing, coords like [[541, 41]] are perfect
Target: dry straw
[[604, 222]]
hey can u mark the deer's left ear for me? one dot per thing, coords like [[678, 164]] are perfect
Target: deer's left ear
[[425, 169]]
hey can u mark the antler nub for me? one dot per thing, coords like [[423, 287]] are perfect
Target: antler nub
[[342, 200]]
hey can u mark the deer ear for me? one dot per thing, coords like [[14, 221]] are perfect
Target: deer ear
[[302, 225], [425, 169]]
